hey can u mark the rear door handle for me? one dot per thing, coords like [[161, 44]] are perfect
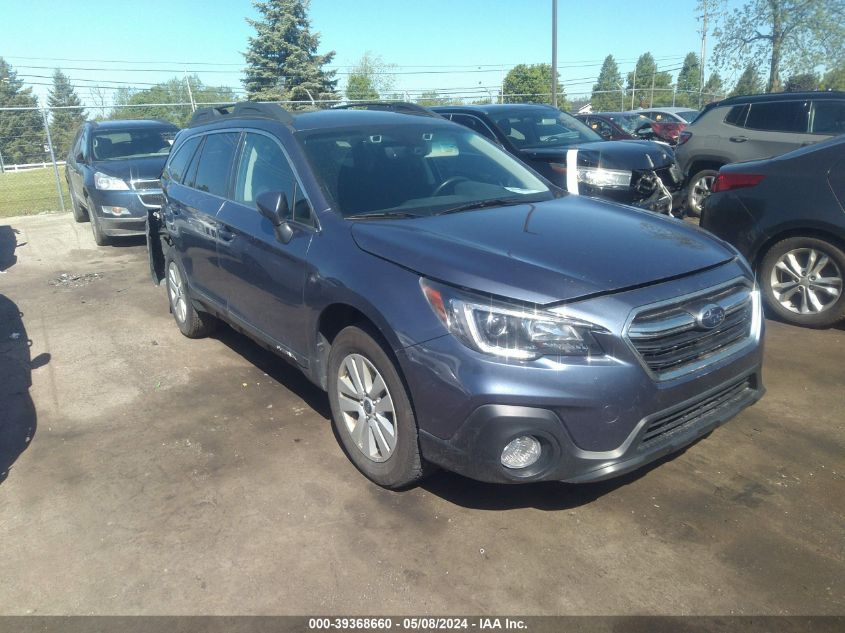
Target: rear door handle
[[739, 139]]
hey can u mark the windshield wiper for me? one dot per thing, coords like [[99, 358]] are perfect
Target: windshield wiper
[[380, 215], [481, 204]]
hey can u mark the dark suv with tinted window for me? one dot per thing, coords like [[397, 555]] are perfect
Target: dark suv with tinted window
[[112, 174], [458, 308], [750, 128]]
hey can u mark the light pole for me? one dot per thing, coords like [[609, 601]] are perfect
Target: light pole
[[554, 53]]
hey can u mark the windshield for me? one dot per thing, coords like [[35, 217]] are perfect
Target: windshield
[[119, 144], [533, 128], [631, 122], [415, 169]]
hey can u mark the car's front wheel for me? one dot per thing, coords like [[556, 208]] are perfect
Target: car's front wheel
[[699, 189], [802, 280], [79, 214], [371, 410]]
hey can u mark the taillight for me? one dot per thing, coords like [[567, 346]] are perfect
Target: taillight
[[726, 181], [684, 137]]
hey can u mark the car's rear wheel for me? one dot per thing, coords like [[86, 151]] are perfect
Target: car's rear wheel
[[802, 280], [371, 410], [699, 189], [191, 322]]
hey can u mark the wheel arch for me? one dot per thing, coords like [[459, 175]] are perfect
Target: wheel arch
[[816, 232]]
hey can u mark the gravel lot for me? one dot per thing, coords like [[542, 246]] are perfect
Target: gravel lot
[[145, 473]]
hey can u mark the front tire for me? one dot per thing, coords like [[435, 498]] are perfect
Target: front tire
[[190, 321], [79, 213], [802, 281], [100, 238], [371, 411], [698, 191]]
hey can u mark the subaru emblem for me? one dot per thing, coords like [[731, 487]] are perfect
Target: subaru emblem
[[710, 316]]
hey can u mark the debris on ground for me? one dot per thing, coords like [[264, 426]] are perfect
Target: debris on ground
[[70, 280]]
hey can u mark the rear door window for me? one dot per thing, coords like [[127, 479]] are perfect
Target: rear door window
[[177, 167], [737, 115], [829, 117], [779, 116], [215, 163]]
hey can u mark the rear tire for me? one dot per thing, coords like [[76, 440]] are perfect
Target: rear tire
[[371, 411], [802, 281], [190, 321], [698, 191]]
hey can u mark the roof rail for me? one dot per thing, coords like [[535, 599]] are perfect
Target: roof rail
[[400, 107], [250, 109]]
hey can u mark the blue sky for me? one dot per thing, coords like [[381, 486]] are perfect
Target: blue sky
[[460, 45]]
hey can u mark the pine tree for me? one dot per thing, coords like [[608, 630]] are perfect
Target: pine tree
[[714, 88], [749, 82], [282, 60], [65, 120], [22, 135], [647, 76], [607, 91], [689, 81]]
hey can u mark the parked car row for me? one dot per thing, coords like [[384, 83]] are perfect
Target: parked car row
[[427, 268]]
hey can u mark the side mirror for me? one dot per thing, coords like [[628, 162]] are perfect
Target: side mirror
[[273, 205], [80, 158]]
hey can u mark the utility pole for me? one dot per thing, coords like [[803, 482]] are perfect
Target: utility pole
[[190, 92], [634, 88], [704, 17], [554, 53]]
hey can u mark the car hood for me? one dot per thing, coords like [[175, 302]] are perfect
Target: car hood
[[546, 252], [133, 168], [632, 155]]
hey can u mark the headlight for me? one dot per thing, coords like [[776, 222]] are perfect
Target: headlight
[[511, 331], [604, 178], [110, 183]]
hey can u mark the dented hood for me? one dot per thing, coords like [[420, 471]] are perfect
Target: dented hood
[[544, 252]]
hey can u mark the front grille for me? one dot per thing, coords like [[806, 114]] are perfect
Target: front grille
[[152, 200], [146, 184], [672, 341], [660, 428]]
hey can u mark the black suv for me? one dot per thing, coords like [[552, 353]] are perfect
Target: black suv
[[112, 174], [750, 128], [458, 308], [574, 157]]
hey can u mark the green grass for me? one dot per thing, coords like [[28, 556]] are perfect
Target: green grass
[[31, 191]]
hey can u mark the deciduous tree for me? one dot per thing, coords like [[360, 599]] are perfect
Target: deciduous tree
[[790, 34], [370, 79], [532, 83]]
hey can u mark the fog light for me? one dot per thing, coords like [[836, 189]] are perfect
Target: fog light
[[521, 452], [115, 210]]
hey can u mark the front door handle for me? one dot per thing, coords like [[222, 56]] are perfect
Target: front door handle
[[224, 234], [739, 139]]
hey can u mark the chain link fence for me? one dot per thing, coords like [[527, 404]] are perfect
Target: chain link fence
[[33, 150]]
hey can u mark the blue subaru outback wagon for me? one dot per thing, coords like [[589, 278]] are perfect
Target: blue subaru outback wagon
[[459, 309]]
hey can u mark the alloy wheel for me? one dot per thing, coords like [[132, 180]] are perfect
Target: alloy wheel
[[366, 407], [806, 281], [700, 191], [176, 290]]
